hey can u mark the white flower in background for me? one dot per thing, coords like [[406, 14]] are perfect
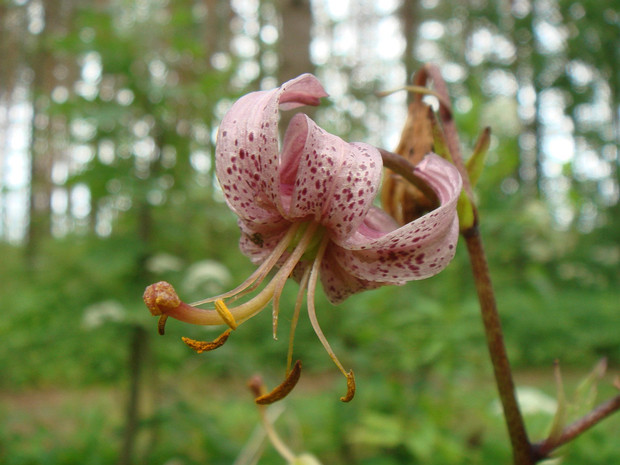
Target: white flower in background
[[207, 276], [531, 401], [99, 313], [164, 262]]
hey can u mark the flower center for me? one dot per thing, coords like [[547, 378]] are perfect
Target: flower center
[[305, 242], [313, 246]]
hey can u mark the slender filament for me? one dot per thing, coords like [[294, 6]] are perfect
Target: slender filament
[[310, 304], [246, 310], [303, 284], [259, 274], [281, 278]]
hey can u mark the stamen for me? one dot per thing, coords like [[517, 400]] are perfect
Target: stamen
[[161, 298], [205, 346], [283, 389], [315, 323], [259, 274], [256, 386], [287, 269], [228, 317], [350, 388], [303, 284]]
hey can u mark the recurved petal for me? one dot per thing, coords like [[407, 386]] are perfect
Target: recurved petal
[[338, 284], [328, 179], [354, 189], [417, 250], [376, 224], [247, 154]]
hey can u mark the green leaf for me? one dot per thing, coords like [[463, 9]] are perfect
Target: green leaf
[[560, 417], [586, 392], [475, 164], [439, 140]]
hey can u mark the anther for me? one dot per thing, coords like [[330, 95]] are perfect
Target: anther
[[223, 311], [282, 390], [350, 387], [205, 346]]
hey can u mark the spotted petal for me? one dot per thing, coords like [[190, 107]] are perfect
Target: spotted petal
[[258, 240], [247, 154], [326, 179], [417, 250], [339, 284]]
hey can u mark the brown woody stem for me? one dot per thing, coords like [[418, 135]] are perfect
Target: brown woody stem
[[522, 452], [521, 448]]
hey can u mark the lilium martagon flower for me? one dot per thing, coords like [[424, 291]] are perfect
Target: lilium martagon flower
[[306, 210]]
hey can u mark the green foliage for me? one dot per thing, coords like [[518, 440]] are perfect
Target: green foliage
[[425, 393]]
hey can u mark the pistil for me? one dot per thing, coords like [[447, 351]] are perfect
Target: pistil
[[162, 300]]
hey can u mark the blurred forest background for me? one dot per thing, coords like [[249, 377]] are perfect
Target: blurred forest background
[[108, 115]]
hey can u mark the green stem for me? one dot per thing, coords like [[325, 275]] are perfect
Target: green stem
[[521, 448]]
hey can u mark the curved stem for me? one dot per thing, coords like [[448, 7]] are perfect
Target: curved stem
[[524, 452], [521, 447], [404, 168]]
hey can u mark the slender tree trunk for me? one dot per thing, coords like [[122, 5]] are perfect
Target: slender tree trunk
[[45, 144], [527, 71], [409, 19], [295, 38], [294, 45], [137, 356], [40, 159]]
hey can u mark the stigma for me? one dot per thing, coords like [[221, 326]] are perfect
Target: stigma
[[304, 243]]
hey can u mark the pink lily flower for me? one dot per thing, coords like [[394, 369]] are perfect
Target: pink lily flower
[[307, 210]]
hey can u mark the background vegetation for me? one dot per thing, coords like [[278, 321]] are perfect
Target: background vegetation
[[108, 113]]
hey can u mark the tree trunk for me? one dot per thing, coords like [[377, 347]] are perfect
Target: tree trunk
[[409, 19], [294, 45], [137, 356]]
